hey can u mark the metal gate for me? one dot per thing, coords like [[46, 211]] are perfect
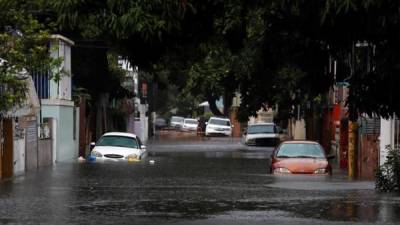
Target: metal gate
[[31, 151], [368, 153]]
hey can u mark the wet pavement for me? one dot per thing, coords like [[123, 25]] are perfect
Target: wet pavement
[[193, 180]]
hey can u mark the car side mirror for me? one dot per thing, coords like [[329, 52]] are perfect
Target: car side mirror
[[143, 146], [232, 126], [329, 157], [92, 144], [206, 123]]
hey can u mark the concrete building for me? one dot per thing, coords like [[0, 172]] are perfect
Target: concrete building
[[137, 121], [57, 108]]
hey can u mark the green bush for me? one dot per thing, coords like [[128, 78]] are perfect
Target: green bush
[[388, 174]]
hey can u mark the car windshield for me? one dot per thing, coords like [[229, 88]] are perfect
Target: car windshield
[[191, 121], [118, 141], [261, 129], [220, 122], [300, 150], [176, 119]]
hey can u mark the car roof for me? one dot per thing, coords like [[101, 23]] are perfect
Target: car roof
[[177, 117], [219, 118], [190, 119], [300, 142], [255, 124], [124, 134]]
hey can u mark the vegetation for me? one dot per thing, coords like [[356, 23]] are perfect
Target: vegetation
[[23, 50], [388, 175], [275, 53]]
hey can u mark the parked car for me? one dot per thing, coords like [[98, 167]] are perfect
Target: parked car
[[118, 146], [160, 123], [261, 134], [176, 122], [300, 157], [189, 124], [218, 126]]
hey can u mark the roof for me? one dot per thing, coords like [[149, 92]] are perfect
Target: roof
[[63, 38], [190, 119], [125, 134]]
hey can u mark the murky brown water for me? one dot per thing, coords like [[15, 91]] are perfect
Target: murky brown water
[[192, 181]]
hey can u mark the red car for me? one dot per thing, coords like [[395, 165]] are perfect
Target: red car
[[300, 157]]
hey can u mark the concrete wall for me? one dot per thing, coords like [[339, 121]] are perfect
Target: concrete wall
[[66, 145], [297, 129], [19, 156], [385, 139], [61, 48], [45, 152]]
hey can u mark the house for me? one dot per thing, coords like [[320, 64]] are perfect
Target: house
[[58, 118], [18, 133], [137, 119]]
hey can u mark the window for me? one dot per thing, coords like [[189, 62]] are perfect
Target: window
[[220, 122], [118, 141], [191, 121], [261, 129], [300, 150]]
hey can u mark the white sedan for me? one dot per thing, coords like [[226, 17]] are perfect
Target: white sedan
[[118, 146], [190, 124]]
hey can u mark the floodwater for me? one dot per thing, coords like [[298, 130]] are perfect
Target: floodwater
[[191, 180]]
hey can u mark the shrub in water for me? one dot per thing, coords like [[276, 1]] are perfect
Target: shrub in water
[[388, 174]]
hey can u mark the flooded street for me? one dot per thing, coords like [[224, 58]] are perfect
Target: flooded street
[[191, 180]]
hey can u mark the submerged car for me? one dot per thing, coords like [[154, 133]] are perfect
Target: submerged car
[[118, 146], [300, 157], [190, 124], [176, 122], [261, 134], [218, 126]]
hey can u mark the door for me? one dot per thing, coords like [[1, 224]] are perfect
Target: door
[[31, 150], [7, 151]]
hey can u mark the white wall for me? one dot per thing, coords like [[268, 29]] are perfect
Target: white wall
[[66, 146], [61, 48], [19, 156], [385, 138]]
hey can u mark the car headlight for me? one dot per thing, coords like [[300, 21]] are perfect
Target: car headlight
[[251, 141], [281, 170], [132, 157], [96, 154], [321, 171]]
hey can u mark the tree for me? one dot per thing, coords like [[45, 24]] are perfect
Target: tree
[[23, 50]]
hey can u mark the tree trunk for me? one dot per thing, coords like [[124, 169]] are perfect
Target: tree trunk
[[213, 106], [227, 103], [352, 149]]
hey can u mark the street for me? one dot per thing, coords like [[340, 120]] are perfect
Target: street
[[190, 180]]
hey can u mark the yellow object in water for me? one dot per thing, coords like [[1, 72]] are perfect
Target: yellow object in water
[[133, 159]]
